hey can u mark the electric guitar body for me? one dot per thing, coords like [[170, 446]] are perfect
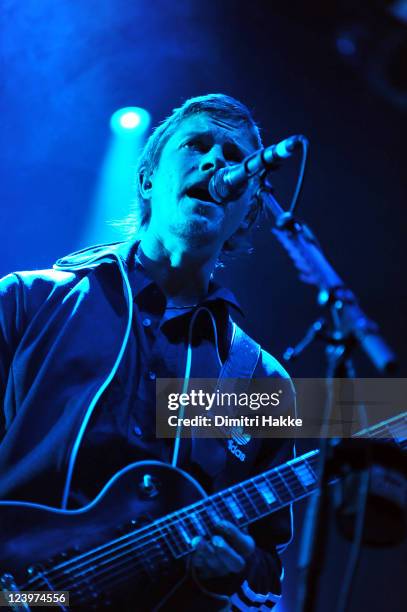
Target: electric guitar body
[[42, 548], [129, 548]]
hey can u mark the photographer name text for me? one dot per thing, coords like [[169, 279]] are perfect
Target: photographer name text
[[242, 421]]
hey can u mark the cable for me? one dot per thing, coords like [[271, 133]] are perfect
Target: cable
[[300, 180], [187, 375], [100, 391], [346, 590], [270, 205]]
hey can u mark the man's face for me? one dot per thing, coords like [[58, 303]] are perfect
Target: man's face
[[181, 206]]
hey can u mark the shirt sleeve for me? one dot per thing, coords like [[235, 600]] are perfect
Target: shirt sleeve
[[10, 325]]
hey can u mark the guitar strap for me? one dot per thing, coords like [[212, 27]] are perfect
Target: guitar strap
[[241, 362], [243, 357]]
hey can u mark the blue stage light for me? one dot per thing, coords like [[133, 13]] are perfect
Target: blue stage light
[[130, 120]]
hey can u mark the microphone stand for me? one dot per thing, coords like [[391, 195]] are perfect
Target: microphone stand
[[350, 328], [315, 269]]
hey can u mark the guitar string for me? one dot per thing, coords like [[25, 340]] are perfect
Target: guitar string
[[243, 501], [143, 545], [123, 577], [122, 573], [251, 482], [376, 431], [278, 483], [133, 550], [125, 563], [124, 570], [81, 596], [99, 582], [249, 500]]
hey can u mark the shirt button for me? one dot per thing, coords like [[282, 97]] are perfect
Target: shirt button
[[152, 375], [137, 430], [146, 322]]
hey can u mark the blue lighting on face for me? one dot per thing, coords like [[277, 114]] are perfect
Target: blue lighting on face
[[130, 120]]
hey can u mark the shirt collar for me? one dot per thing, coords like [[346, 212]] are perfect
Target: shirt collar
[[215, 292]]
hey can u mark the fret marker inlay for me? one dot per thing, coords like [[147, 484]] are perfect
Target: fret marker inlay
[[234, 508], [197, 524], [266, 492], [214, 515], [184, 534], [304, 474]]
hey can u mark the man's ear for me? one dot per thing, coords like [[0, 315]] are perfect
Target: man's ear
[[145, 185]]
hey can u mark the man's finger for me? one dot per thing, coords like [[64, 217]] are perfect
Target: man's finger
[[227, 557], [215, 557], [242, 542], [204, 554]]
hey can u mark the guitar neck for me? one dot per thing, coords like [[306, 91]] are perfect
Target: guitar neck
[[257, 497], [394, 429]]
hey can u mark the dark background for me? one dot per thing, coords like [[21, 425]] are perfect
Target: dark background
[[326, 70]]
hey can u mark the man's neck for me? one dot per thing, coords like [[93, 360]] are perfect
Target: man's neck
[[182, 274]]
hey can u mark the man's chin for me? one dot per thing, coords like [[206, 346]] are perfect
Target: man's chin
[[199, 231]]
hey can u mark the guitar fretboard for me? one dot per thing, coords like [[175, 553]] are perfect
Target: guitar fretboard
[[248, 501], [394, 429]]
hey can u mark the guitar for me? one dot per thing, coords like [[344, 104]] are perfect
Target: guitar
[[134, 536]]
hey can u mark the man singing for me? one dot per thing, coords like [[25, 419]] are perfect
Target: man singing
[[83, 344]]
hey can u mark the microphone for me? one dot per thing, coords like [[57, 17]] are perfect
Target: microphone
[[229, 183]]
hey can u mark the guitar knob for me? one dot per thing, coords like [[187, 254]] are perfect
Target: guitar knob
[[148, 486]]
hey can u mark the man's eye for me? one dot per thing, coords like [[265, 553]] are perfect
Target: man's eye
[[196, 144], [234, 154], [235, 159]]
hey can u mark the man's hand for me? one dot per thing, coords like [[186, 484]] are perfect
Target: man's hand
[[225, 553]]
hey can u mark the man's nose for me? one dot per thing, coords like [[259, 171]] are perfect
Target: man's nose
[[213, 159]]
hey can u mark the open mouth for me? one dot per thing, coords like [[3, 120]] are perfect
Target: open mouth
[[200, 193]]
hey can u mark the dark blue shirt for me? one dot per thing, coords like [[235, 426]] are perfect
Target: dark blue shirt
[[122, 429]]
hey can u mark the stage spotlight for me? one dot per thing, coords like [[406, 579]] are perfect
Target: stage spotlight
[[116, 186], [129, 121]]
